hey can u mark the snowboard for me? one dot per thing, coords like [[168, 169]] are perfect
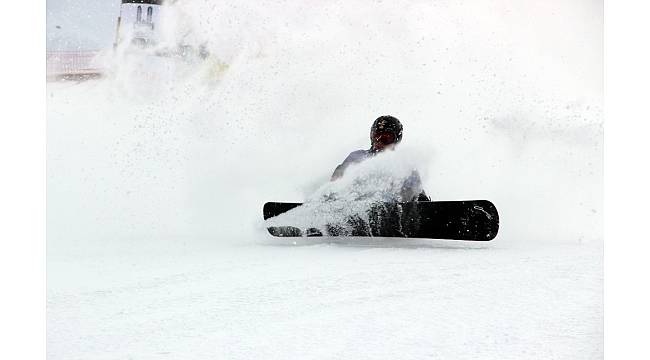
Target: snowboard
[[471, 220]]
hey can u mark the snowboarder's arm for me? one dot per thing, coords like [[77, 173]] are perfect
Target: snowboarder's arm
[[354, 157], [338, 172], [423, 197], [412, 188]]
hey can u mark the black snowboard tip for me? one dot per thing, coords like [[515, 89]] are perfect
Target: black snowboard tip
[[272, 209]]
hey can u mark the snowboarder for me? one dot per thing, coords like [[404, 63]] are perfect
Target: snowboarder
[[385, 134]]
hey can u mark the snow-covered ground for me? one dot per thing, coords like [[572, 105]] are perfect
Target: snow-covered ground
[[329, 301], [157, 175]]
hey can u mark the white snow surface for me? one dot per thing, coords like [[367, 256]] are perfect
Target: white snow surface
[[157, 173]]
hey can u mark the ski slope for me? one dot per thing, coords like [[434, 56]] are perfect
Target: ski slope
[[157, 173], [329, 301]]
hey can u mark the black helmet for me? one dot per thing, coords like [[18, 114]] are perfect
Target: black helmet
[[387, 123]]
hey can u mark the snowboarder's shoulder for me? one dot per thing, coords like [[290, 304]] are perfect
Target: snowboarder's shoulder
[[357, 155]]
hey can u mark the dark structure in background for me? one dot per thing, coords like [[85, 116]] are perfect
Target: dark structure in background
[[137, 32], [138, 21]]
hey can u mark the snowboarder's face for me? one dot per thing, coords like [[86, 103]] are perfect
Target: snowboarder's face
[[383, 140]]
